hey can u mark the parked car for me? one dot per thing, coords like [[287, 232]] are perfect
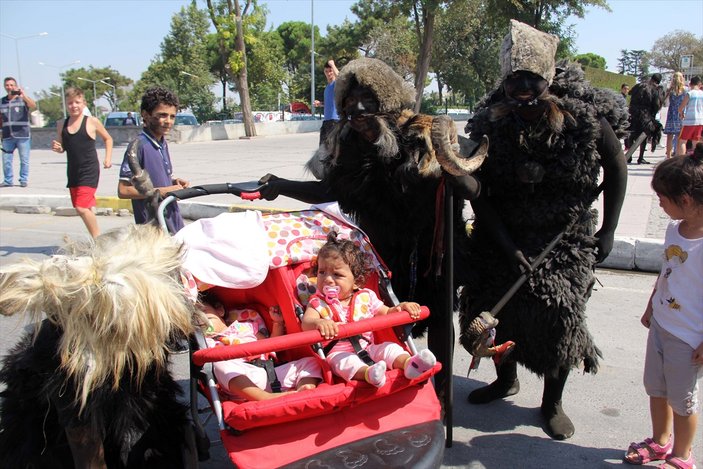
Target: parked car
[[186, 118], [118, 118]]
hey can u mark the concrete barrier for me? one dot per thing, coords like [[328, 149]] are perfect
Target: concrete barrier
[[42, 137]]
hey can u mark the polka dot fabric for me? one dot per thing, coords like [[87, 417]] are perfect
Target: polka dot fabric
[[295, 237]]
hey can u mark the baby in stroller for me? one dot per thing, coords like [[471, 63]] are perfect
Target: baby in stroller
[[254, 378], [341, 269]]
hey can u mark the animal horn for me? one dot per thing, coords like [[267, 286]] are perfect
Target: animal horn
[[446, 146], [141, 179]]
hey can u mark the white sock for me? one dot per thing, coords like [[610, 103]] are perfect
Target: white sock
[[376, 374], [418, 364]]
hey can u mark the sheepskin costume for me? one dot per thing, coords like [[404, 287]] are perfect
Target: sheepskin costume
[[97, 366], [646, 99], [546, 318], [390, 186], [527, 49]]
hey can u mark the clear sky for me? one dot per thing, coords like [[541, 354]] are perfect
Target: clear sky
[[126, 34]]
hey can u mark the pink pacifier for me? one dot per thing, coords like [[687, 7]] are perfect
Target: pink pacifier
[[331, 293]]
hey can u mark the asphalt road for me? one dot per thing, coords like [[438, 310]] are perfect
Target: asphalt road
[[609, 409]]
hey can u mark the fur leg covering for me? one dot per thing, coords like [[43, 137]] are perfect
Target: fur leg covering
[[558, 424], [506, 384]]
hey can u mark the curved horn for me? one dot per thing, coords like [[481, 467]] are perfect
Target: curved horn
[[140, 178], [444, 140]]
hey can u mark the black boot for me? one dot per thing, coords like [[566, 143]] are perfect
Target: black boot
[[642, 161], [506, 384], [558, 424]]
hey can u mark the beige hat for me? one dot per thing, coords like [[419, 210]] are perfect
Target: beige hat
[[526, 48]]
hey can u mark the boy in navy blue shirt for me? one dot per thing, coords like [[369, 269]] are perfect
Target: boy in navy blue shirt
[[158, 110]]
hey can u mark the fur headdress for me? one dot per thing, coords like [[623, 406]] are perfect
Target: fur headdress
[[392, 92], [526, 48], [118, 302]]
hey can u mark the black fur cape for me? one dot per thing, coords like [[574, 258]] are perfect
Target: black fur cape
[[141, 427], [546, 317], [645, 101], [396, 207]]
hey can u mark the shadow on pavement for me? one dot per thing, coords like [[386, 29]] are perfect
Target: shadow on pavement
[[9, 250]]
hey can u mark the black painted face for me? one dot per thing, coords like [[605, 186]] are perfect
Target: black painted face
[[360, 107], [359, 101], [524, 86]]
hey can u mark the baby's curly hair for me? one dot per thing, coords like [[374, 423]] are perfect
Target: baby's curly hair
[[157, 95], [350, 253]]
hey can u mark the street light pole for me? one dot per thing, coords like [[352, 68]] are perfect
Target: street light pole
[[312, 58], [95, 94], [114, 91], [17, 49], [63, 93]]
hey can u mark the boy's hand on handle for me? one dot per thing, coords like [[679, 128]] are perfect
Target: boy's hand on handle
[[181, 182], [328, 329]]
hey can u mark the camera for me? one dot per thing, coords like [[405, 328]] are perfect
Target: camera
[[15, 93]]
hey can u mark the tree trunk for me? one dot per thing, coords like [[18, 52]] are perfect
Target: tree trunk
[[242, 79], [224, 96], [423, 62]]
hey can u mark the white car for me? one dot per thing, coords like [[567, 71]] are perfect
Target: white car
[[118, 118]]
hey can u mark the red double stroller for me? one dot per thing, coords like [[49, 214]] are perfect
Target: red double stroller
[[263, 260]]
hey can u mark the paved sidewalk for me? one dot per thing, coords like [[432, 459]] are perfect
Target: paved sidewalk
[[639, 234]]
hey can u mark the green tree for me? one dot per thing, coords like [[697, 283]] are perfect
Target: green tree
[[297, 43], [182, 64], [590, 60], [103, 77], [667, 50], [466, 49], [396, 44], [265, 59], [50, 104], [228, 17], [634, 62], [546, 15]]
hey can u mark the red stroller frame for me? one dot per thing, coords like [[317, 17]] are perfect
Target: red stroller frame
[[336, 424]]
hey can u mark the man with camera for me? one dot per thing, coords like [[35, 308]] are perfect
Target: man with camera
[[14, 111]]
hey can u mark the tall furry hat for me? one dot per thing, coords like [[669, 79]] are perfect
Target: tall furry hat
[[526, 48], [392, 92], [118, 303]]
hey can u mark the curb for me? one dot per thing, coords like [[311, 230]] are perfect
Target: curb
[[629, 253]]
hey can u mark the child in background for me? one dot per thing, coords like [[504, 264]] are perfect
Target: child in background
[[674, 315], [240, 376], [341, 272], [158, 108], [76, 135], [691, 114]]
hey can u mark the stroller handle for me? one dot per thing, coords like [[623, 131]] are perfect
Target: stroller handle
[[298, 339], [246, 190]]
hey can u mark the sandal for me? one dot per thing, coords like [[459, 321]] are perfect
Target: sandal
[[647, 451], [672, 462]]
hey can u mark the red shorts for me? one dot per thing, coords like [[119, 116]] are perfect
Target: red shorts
[[691, 132], [83, 196]]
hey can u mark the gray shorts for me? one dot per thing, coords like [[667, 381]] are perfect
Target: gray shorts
[[669, 371]]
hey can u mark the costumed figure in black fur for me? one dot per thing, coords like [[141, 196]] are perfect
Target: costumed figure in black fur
[[646, 98], [550, 135], [89, 386], [385, 164]]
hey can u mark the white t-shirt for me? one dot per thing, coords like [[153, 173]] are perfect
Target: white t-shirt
[[678, 303]]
